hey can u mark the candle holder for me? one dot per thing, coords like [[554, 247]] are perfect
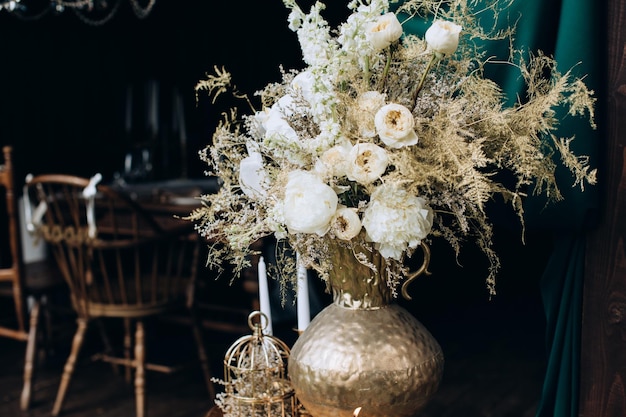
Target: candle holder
[[255, 375]]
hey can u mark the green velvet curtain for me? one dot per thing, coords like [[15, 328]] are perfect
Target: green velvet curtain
[[574, 32], [579, 38]]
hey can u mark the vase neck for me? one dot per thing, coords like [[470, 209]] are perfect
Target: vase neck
[[359, 283]]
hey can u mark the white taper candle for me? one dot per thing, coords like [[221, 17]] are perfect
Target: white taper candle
[[302, 298], [264, 295]]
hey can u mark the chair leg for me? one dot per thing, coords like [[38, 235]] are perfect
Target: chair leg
[[20, 309], [48, 330], [30, 360], [202, 356], [128, 344], [68, 370], [140, 371]]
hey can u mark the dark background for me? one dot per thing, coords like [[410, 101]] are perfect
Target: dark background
[[64, 83], [63, 92]]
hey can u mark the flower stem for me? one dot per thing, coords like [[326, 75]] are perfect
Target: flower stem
[[434, 58], [386, 70], [367, 72]]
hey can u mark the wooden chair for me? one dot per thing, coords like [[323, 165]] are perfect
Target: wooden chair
[[25, 283], [119, 262]]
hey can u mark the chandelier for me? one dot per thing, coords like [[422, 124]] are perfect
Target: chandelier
[[93, 12]]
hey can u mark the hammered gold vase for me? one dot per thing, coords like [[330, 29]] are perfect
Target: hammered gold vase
[[364, 352]]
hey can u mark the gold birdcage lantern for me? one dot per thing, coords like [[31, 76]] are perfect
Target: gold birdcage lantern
[[255, 375]]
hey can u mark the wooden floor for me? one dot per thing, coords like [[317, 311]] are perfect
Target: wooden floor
[[494, 368]]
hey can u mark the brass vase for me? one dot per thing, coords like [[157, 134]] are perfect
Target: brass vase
[[364, 353]]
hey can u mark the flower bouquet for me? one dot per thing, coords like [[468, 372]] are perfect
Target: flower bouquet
[[386, 140]]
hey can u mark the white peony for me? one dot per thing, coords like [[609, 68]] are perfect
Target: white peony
[[367, 104], [443, 37], [384, 31], [366, 163], [346, 223], [396, 220], [309, 203], [394, 125]]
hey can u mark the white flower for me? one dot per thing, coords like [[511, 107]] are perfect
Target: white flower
[[280, 137], [253, 179], [443, 37], [309, 204], [259, 120], [394, 125], [346, 223], [275, 122], [277, 128], [396, 220], [384, 31], [367, 104], [276, 219], [366, 163], [287, 106], [303, 83], [334, 161], [315, 40]]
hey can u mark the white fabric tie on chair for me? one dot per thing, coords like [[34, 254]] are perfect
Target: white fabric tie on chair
[[89, 192], [33, 220]]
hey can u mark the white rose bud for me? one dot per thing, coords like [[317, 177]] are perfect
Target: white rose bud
[[309, 204], [384, 31], [366, 163], [346, 223], [394, 125], [334, 161], [443, 37]]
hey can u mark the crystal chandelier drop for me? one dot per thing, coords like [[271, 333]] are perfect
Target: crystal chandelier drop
[[93, 12]]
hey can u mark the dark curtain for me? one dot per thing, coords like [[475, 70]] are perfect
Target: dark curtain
[[579, 39]]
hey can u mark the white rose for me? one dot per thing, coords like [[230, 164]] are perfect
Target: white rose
[[394, 125], [367, 104], [443, 37], [366, 163], [309, 204], [334, 161], [384, 31], [346, 223], [395, 220], [253, 179]]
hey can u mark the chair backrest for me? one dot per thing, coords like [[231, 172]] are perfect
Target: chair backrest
[[117, 259], [12, 271]]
